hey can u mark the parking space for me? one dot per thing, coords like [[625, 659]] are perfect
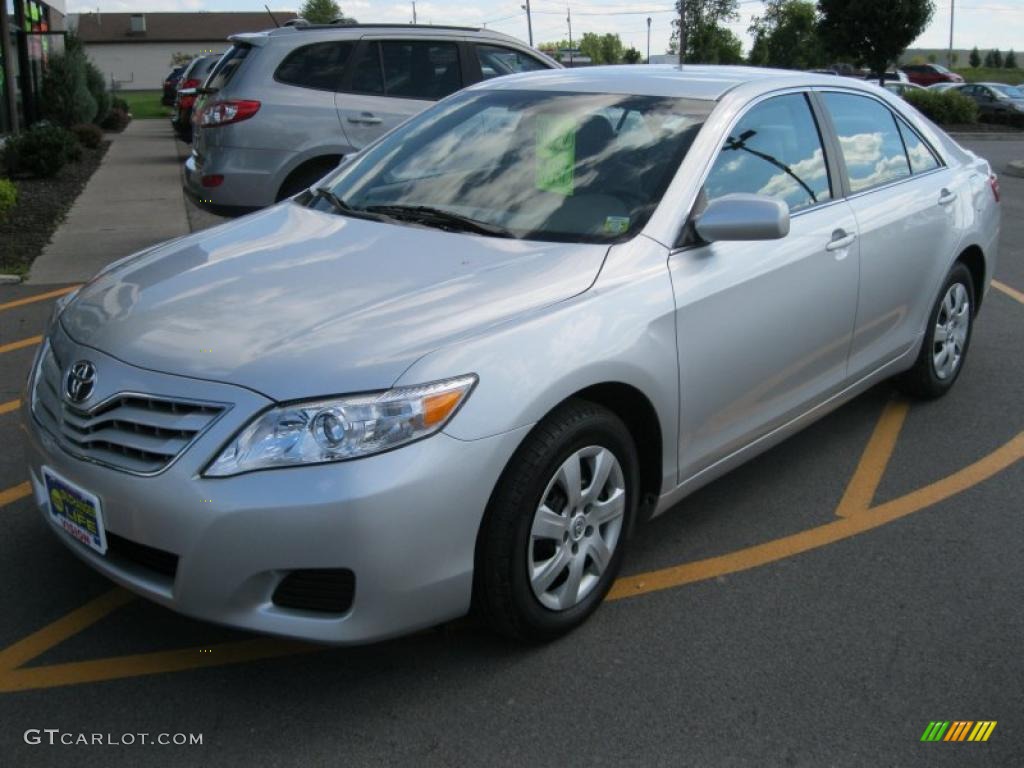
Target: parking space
[[819, 606]]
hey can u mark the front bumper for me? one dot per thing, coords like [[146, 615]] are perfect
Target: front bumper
[[405, 522]]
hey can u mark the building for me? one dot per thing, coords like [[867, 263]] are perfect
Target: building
[[134, 50], [30, 32]]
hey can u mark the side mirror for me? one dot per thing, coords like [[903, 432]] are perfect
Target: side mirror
[[743, 217]]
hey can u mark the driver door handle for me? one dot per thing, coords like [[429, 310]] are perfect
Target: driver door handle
[[946, 197], [840, 239], [366, 118]]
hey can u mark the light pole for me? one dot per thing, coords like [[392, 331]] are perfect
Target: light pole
[[568, 19], [648, 39], [529, 21], [949, 53], [414, 13]]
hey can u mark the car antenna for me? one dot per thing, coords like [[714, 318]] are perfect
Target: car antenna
[[273, 18]]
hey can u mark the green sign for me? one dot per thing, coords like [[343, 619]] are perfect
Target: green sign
[[556, 153]]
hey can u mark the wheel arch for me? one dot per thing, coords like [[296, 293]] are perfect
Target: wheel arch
[[327, 160], [973, 258]]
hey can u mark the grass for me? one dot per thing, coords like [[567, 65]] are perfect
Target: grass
[[145, 104], [991, 75]]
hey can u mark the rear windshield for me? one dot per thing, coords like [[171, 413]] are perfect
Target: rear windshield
[[541, 165], [227, 66]]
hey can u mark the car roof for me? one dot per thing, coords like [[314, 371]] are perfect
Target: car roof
[[294, 33], [703, 82]]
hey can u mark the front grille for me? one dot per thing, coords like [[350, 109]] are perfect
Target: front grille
[[321, 590], [132, 432], [151, 558]]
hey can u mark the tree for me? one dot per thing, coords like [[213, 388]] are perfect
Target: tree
[[932, 58], [602, 49], [873, 32], [975, 58], [988, 59], [707, 41], [1011, 60], [954, 58], [322, 12], [181, 58], [997, 58], [787, 36], [631, 56]]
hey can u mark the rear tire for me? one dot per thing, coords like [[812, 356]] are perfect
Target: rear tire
[[306, 175], [947, 338], [554, 533]]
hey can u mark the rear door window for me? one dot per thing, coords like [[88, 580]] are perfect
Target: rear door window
[[415, 69], [366, 72], [871, 146], [227, 66], [318, 66], [496, 60]]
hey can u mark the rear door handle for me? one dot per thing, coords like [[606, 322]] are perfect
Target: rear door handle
[[840, 239], [946, 197], [366, 118]]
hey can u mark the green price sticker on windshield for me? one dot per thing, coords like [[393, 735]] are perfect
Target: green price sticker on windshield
[[556, 153]]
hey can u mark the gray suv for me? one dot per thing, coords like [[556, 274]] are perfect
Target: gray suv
[[284, 106]]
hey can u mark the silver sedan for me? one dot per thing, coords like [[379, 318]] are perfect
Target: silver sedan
[[459, 370]]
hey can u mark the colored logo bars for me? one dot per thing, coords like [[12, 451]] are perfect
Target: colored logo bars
[[958, 730]]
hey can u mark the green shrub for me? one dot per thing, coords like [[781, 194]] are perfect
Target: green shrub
[[66, 97], [116, 120], [944, 107], [8, 196], [42, 150], [118, 103], [88, 135], [97, 86]]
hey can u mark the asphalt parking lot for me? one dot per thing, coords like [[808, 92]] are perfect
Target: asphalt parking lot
[[819, 606]]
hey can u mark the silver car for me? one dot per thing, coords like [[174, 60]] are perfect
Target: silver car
[[284, 106], [461, 369]]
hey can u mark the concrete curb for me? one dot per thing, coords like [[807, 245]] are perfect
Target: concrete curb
[[1015, 168], [10, 279]]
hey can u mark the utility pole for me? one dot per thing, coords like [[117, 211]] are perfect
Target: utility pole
[[529, 21], [414, 13], [568, 19], [682, 31], [648, 39], [949, 53]]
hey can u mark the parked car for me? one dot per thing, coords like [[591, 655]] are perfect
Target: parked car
[[995, 100], [188, 87], [171, 85], [285, 106], [942, 86], [901, 89], [894, 76], [929, 74], [462, 368]]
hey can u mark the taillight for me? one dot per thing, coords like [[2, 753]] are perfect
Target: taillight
[[186, 101], [229, 111], [190, 83], [993, 182]]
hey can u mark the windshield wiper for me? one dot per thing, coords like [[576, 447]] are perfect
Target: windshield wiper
[[741, 143], [425, 214], [340, 206]]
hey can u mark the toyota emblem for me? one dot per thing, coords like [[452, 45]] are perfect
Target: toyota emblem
[[80, 381]]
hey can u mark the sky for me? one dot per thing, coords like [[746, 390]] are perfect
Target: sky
[[982, 23]]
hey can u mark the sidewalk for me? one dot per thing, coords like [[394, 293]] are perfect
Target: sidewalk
[[134, 200]]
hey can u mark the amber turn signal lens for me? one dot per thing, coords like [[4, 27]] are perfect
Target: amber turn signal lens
[[437, 408]]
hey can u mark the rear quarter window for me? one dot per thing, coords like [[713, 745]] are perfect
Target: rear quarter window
[[319, 66]]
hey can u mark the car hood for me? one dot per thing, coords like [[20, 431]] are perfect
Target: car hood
[[295, 303]]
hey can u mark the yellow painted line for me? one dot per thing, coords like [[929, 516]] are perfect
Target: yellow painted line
[[115, 667], [42, 640], [16, 345], [11, 495], [860, 491], [10, 405], [843, 528], [38, 297], [1013, 293]]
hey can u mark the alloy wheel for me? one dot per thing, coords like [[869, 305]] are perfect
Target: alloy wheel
[[949, 337]]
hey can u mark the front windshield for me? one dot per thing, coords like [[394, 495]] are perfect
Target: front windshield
[[540, 165], [1010, 91]]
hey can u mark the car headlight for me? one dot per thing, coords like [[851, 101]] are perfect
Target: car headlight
[[336, 429]]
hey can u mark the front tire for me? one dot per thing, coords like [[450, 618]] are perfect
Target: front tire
[[554, 534], [947, 338]]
